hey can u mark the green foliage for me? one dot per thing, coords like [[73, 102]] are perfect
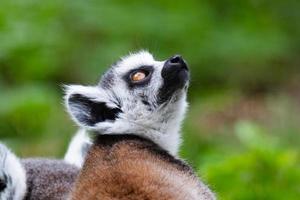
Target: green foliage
[[34, 102], [236, 50], [50, 40], [263, 170], [250, 157]]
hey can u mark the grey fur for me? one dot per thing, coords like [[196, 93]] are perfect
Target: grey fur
[[34, 178], [48, 179], [108, 79]]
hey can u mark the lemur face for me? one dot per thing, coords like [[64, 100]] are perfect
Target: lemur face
[[137, 95]]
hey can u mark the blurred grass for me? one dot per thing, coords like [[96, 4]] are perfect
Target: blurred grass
[[242, 131]]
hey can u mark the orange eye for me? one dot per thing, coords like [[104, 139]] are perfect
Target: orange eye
[[138, 76]]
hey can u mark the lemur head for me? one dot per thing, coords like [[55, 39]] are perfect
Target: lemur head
[[137, 95]]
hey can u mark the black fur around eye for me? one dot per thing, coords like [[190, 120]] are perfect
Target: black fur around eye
[[139, 77], [2, 185]]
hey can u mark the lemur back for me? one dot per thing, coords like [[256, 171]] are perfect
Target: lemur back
[[127, 167]]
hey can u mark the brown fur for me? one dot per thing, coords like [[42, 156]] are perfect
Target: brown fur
[[126, 167]]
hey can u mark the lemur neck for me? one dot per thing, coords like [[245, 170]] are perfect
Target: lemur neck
[[111, 140], [132, 144], [169, 141]]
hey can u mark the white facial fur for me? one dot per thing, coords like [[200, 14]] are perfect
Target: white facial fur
[[158, 122]]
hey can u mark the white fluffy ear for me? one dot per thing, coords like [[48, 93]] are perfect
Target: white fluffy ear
[[89, 105]]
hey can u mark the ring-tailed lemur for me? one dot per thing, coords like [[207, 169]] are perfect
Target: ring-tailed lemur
[[137, 96], [135, 115]]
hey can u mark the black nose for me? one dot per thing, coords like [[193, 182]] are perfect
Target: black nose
[[177, 61], [175, 76]]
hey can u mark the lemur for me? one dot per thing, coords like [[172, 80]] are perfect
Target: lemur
[[127, 145], [134, 114]]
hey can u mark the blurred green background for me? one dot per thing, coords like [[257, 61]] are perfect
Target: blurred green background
[[242, 133]]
